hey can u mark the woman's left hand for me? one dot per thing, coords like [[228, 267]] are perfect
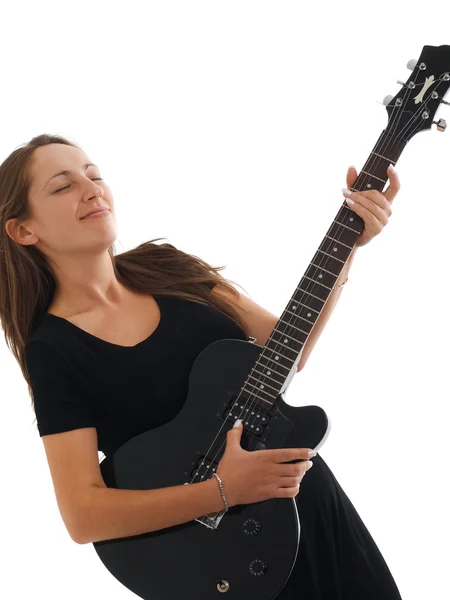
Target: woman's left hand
[[372, 206]]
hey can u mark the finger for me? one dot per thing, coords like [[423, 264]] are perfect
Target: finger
[[289, 482], [352, 176], [383, 199], [286, 455], [368, 209], [372, 199], [290, 470], [394, 185]]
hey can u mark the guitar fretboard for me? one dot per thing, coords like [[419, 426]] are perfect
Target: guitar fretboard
[[276, 362]]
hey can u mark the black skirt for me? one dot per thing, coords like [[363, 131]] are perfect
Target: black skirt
[[337, 558]]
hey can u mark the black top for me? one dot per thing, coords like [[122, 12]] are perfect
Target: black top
[[79, 380]]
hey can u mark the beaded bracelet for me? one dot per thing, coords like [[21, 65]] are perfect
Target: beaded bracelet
[[221, 490]]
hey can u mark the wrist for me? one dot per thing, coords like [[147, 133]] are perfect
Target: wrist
[[218, 479]]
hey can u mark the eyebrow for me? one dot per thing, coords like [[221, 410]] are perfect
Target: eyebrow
[[66, 172]]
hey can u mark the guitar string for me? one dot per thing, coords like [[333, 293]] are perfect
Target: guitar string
[[326, 261], [375, 161]]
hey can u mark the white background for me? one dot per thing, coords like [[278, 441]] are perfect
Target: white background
[[228, 128]]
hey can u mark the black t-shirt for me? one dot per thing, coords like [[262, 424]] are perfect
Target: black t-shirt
[[79, 380]]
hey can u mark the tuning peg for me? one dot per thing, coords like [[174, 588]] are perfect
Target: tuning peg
[[411, 64], [444, 102], [387, 100], [400, 83], [441, 125]]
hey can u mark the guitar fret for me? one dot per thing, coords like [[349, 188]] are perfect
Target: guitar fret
[[276, 362], [298, 329], [266, 384], [322, 284], [335, 258], [257, 397], [374, 176], [278, 353], [289, 336], [282, 351], [312, 295], [326, 271], [260, 391], [280, 378], [343, 225], [339, 242], [305, 305], [385, 158], [255, 370]]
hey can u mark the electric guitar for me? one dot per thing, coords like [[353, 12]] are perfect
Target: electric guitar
[[250, 550]]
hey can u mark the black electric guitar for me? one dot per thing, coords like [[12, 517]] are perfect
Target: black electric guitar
[[249, 551]]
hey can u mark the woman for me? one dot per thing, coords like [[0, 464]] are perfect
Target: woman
[[106, 344]]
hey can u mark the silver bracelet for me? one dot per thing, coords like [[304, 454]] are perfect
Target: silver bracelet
[[221, 490], [339, 286]]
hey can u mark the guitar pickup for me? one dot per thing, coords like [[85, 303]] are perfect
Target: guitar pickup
[[254, 419], [203, 469]]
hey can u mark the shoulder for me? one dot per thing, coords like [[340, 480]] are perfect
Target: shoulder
[[260, 322]]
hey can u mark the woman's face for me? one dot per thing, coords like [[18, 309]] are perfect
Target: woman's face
[[59, 203]]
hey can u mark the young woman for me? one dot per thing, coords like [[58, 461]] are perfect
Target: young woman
[[106, 343]]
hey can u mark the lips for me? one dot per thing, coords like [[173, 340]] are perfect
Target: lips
[[101, 209]]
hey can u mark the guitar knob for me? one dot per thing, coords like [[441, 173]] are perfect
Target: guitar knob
[[387, 100], [411, 64], [441, 125], [258, 567], [251, 527]]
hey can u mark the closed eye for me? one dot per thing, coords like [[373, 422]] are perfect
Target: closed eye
[[68, 186]]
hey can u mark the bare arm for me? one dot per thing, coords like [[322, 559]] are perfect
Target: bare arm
[[114, 513]]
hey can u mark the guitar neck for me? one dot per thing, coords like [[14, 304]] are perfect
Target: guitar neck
[[278, 360]]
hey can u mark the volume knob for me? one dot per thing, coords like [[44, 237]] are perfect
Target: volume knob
[[251, 527], [258, 567]]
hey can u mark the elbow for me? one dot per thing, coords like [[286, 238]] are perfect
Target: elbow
[[80, 532], [76, 525], [76, 534], [78, 537]]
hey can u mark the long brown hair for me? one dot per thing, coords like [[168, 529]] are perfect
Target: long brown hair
[[27, 283]]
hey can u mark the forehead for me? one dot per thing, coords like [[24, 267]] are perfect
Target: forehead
[[52, 158], [55, 155]]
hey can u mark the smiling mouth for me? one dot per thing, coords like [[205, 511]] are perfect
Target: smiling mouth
[[97, 212]]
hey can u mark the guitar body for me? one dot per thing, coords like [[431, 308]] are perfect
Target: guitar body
[[252, 550]]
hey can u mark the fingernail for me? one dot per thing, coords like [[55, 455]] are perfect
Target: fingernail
[[346, 192], [350, 201], [311, 453], [237, 423], [391, 167], [310, 464]]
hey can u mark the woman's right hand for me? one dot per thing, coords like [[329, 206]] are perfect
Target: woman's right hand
[[258, 475]]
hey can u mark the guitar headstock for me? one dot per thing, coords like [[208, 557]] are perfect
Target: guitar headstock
[[414, 107]]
